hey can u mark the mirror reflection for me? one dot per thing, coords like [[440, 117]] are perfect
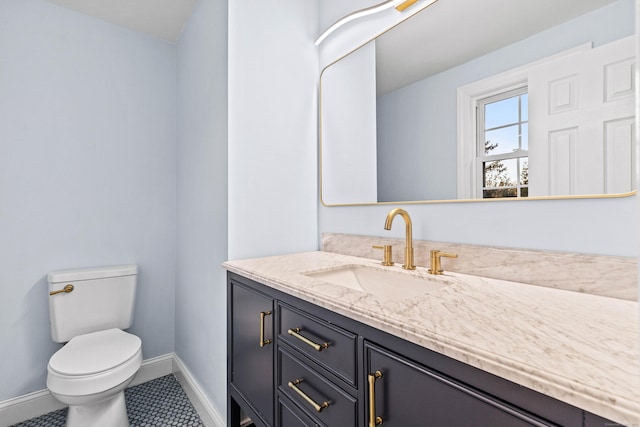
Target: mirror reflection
[[517, 99]]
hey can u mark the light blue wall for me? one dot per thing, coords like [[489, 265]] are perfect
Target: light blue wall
[[202, 198], [263, 172], [113, 149], [273, 75], [87, 173], [602, 226], [414, 136], [418, 122], [597, 226]]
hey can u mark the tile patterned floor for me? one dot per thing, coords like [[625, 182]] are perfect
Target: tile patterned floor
[[160, 402]]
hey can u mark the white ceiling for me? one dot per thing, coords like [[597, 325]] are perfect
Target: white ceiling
[[164, 19], [452, 32], [446, 33]]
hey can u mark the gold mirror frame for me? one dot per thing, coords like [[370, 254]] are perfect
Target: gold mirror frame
[[498, 200]]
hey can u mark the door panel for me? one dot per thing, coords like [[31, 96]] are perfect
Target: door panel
[[588, 98]]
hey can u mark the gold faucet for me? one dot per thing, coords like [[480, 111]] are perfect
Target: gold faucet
[[408, 250], [387, 259], [436, 267]]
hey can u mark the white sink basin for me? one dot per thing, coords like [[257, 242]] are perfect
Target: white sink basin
[[387, 285]]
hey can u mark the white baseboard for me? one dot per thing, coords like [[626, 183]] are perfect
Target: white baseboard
[[27, 406], [208, 413], [38, 403], [153, 368]]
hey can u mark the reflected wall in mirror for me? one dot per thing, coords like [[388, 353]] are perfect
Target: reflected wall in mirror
[[473, 100]]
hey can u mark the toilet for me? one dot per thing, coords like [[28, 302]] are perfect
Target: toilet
[[89, 309]]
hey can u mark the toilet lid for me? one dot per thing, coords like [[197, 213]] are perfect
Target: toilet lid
[[95, 352]]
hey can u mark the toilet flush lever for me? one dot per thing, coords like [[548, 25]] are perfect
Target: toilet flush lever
[[68, 288]]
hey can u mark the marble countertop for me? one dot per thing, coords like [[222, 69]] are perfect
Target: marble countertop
[[578, 348]]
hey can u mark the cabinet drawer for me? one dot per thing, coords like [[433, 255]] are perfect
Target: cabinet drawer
[[330, 346], [314, 394], [290, 416]]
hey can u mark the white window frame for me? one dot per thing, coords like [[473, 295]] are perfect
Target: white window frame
[[467, 99]]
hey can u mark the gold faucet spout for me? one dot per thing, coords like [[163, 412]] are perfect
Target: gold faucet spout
[[408, 250]]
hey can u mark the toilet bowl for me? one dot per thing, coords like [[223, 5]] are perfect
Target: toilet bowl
[[89, 309], [90, 374]]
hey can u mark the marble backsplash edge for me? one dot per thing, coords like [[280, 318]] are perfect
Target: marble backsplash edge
[[609, 276]]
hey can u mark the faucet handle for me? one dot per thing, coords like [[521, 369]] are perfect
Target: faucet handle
[[436, 267], [387, 259]]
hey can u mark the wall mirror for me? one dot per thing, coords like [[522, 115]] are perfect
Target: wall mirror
[[484, 100]]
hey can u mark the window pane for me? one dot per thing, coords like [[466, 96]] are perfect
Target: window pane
[[501, 173], [525, 136], [504, 131], [501, 141], [501, 113]]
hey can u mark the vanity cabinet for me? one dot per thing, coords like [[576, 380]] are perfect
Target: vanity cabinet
[[324, 369]]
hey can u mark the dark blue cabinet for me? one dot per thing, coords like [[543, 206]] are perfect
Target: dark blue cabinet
[[294, 364]]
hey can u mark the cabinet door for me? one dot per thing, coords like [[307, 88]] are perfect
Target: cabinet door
[[408, 394], [252, 349]]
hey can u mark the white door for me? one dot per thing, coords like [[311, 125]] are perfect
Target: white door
[[581, 122]]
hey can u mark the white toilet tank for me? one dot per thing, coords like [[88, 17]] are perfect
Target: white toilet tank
[[102, 298]]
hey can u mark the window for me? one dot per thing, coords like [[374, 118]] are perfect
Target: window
[[502, 150]]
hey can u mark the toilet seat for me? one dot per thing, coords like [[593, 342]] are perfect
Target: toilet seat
[[94, 362]]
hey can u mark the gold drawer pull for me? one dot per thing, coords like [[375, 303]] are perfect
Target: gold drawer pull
[[293, 384], [296, 333], [373, 419], [263, 342], [68, 288]]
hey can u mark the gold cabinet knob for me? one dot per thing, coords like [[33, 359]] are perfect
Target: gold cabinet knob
[[374, 420], [263, 341], [295, 332], [317, 406]]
